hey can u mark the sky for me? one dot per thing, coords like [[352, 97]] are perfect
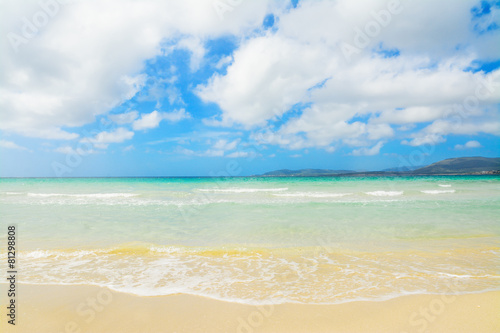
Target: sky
[[238, 87]]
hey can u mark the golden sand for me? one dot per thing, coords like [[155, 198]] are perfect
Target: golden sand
[[54, 309]]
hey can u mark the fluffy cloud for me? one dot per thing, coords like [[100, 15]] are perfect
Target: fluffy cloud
[[124, 118], [176, 115], [468, 144], [400, 76], [11, 145], [102, 139], [368, 151], [292, 85], [153, 119], [239, 154], [68, 150], [89, 55], [269, 75], [435, 132], [147, 121], [225, 145]]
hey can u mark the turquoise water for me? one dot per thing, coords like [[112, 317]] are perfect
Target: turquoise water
[[259, 240]]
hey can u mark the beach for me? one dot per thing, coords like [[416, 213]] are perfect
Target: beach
[[55, 309], [395, 254], [250, 166]]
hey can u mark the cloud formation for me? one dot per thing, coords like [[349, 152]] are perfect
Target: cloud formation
[[325, 74], [11, 145], [468, 145], [90, 54], [397, 76]]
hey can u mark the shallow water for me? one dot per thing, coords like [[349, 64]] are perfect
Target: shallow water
[[259, 240]]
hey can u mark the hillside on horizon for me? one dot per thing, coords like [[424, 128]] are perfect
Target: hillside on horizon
[[450, 166]]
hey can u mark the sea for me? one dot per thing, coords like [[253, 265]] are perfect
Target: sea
[[258, 240]]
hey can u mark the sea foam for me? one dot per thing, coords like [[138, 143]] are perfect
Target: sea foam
[[312, 195], [242, 190], [437, 191], [385, 193], [86, 195]]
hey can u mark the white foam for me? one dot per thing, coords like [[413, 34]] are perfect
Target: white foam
[[312, 195], [36, 254], [288, 280], [242, 190], [444, 185], [385, 193], [437, 191], [168, 249], [89, 195]]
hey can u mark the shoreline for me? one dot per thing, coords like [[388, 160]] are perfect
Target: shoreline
[[388, 174], [84, 308]]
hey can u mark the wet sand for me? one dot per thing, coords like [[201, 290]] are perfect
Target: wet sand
[[59, 308]]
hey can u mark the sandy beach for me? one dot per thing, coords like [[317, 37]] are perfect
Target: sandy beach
[[53, 308]]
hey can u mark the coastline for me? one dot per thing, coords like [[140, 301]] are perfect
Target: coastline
[[83, 308]]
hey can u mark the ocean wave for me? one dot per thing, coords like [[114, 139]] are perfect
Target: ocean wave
[[385, 193], [249, 275], [437, 191], [444, 185], [242, 190], [312, 195], [86, 195]]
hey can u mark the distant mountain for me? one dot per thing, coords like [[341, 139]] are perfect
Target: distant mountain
[[305, 172], [461, 165], [401, 169]]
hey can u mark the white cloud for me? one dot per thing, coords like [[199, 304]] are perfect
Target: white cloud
[[184, 151], [468, 144], [224, 61], [302, 62], [375, 150], [147, 121], [269, 74], [435, 132], [425, 139], [102, 139], [176, 115], [51, 133], [212, 153], [70, 150], [239, 154], [129, 148], [88, 58], [153, 119], [124, 118], [11, 145], [223, 144], [197, 49]]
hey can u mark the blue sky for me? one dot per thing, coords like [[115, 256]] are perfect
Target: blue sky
[[209, 88]]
